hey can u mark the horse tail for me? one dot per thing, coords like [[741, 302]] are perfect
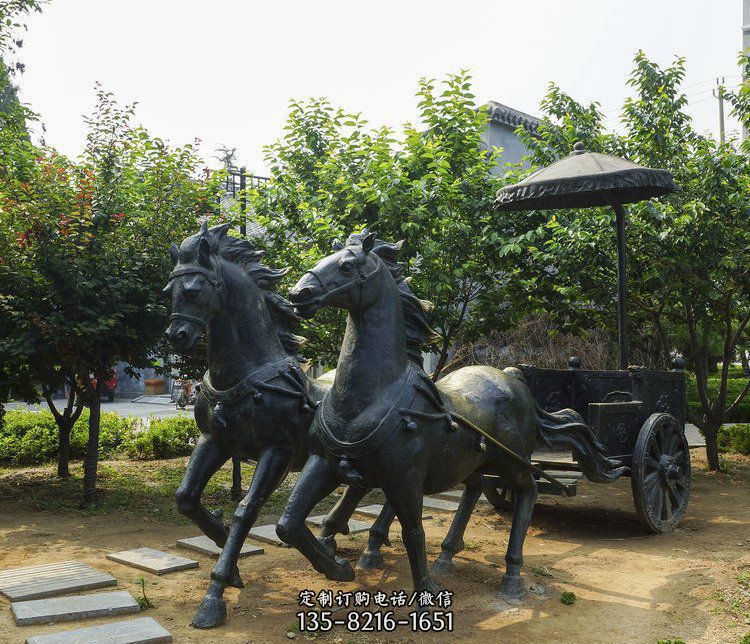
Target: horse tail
[[566, 428]]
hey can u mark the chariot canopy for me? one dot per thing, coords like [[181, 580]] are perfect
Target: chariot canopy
[[587, 179]]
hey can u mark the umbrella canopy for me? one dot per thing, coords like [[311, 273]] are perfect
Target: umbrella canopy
[[585, 179]]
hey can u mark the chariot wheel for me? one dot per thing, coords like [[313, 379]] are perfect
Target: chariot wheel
[[501, 497], [660, 473]]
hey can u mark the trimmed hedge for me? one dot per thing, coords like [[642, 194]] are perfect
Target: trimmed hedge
[[735, 384], [735, 438], [31, 437], [163, 438], [28, 437]]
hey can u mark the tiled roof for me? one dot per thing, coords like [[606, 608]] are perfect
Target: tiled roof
[[512, 118]]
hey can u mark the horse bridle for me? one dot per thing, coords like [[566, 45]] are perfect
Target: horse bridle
[[361, 279], [213, 278]]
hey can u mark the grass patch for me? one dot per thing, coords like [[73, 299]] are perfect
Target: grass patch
[[568, 598], [140, 488], [734, 599]]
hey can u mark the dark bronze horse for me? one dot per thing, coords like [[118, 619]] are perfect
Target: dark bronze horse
[[255, 402], [385, 424]]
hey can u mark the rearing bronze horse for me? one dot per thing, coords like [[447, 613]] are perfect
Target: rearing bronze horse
[[255, 402], [385, 424]]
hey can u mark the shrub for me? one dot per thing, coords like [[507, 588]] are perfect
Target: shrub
[[32, 437], [735, 438], [568, 598], [163, 438]]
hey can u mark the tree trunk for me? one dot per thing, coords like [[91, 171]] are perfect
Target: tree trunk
[[711, 433], [92, 449], [63, 450], [745, 363]]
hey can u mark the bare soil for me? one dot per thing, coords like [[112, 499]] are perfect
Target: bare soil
[[630, 586]]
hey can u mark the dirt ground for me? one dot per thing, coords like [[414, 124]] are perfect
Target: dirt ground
[[630, 586]]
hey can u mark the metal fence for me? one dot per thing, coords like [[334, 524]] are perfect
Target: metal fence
[[236, 184]]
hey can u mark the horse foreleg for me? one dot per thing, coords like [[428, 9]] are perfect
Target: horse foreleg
[[272, 467], [317, 480], [406, 499], [371, 558], [512, 585], [454, 540], [236, 493], [205, 461], [337, 519]]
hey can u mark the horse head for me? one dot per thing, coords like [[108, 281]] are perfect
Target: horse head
[[195, 285], [344, 279]]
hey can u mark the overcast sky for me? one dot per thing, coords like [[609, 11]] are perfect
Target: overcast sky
[[224, 70]]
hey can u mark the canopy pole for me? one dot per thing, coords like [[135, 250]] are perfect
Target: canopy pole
[[622, 316]]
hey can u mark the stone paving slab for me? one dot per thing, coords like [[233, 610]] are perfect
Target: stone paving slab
[[143, 630], [455, 495], [375, 509], [68, 609], [439, 504], [151, 560], [48, 580], [355, 526], [267, 533], [206, 546]]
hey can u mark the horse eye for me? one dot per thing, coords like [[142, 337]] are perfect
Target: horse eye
[[346, 267], [192, 293]]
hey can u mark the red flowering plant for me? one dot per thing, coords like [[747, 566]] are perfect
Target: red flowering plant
[[84, 248]]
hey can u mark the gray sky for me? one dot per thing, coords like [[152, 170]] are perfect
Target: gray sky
[[225, 70]]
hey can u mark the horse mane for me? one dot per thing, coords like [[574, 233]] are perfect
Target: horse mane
[[240, 251], [416, 325]]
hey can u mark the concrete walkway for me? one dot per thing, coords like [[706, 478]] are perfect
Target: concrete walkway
[[142, 407]]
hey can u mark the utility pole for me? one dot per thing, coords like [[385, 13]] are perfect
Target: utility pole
[[719, 93], [745, 40]]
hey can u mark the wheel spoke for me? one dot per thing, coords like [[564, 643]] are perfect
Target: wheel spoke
[[654, 449], [650, 480], [651, 463], [658, 497], [666, 505], [675, 498]]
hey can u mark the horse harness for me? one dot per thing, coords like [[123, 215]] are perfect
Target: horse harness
[[231, 403], [402, 414]]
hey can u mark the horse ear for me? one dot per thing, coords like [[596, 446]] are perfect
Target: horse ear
[[204, 252], [221, 229], [204, 226], [336, 245], [368, 242], [174, 253]]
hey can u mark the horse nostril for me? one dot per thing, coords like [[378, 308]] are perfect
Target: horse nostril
[[304, 292]]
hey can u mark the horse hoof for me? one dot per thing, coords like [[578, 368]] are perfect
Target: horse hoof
[[511, 587], [211, 613], [342, 571], [442, 566], [371, 561]]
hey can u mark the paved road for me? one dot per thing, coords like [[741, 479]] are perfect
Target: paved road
[[143, 407]]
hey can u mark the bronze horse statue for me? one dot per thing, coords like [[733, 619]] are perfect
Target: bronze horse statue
[[385, 424], [255, 401]]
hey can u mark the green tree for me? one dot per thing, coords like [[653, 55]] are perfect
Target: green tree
[[83, 248], [689, 284], [430, 185]]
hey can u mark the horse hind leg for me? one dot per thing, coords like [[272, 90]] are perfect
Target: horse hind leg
[[337, 519], [206, 459], [371, 558], [272, 467], [236, 493], [406, 499], [454, 540], [511, 586]]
